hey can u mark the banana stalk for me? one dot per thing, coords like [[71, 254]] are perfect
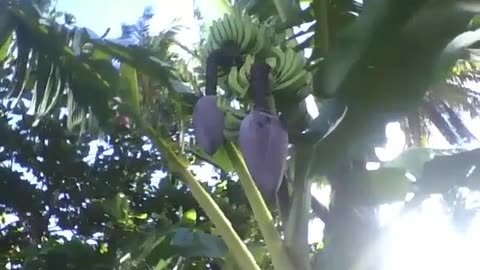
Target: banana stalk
[[242, 255], [274, 243]]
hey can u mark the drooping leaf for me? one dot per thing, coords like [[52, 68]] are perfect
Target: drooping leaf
[[129, 87], [331, 113], [140, 58], [53, 93], [387, 78], [94, 84], [412, 160], [458, 125], [22, 68], [76, 115], [44, 78], [385, 185], [198, 244], [93, 81], [455, 50], [445, 172], [369, 29], [439, 121]]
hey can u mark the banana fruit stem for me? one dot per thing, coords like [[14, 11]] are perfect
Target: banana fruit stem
[[211, 74], [260, 84], [274, 243], [242, 255]]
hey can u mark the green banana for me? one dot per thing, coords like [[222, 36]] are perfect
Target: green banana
[[229, 32], [301, 78], [292, 59], [241, 31], [242, 78], [281, 63], [233, 118], [218, 35], [233, 83], [234, 31], [224, 30], [247, 33], [259, 41]]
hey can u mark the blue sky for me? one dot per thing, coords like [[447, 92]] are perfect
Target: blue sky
[[100, 15]]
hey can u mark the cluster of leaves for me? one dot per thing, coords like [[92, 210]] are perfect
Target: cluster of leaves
[[85, 198], [106, 199]]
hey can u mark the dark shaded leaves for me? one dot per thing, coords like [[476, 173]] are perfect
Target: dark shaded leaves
[[196, 243]]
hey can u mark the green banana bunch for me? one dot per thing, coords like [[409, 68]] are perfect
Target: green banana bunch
[[289, 74], [249, 38], [248, 34], [237, 80]]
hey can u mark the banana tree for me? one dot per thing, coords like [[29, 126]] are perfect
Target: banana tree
[[370, 64]]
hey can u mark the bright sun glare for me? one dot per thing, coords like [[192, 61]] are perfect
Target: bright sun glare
[[425, 239], [420, 239]]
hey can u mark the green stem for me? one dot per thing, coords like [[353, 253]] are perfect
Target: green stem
[[322, 33], [274, 243], [296, 233], [242, 255]]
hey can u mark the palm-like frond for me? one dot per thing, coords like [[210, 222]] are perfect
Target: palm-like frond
[[448, 99], [58, 62]]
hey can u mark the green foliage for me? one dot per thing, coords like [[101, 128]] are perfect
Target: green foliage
[[195, 244], [82, 197], [412, 160]]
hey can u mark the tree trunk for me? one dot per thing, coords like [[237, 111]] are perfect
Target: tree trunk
[[351, 228]]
